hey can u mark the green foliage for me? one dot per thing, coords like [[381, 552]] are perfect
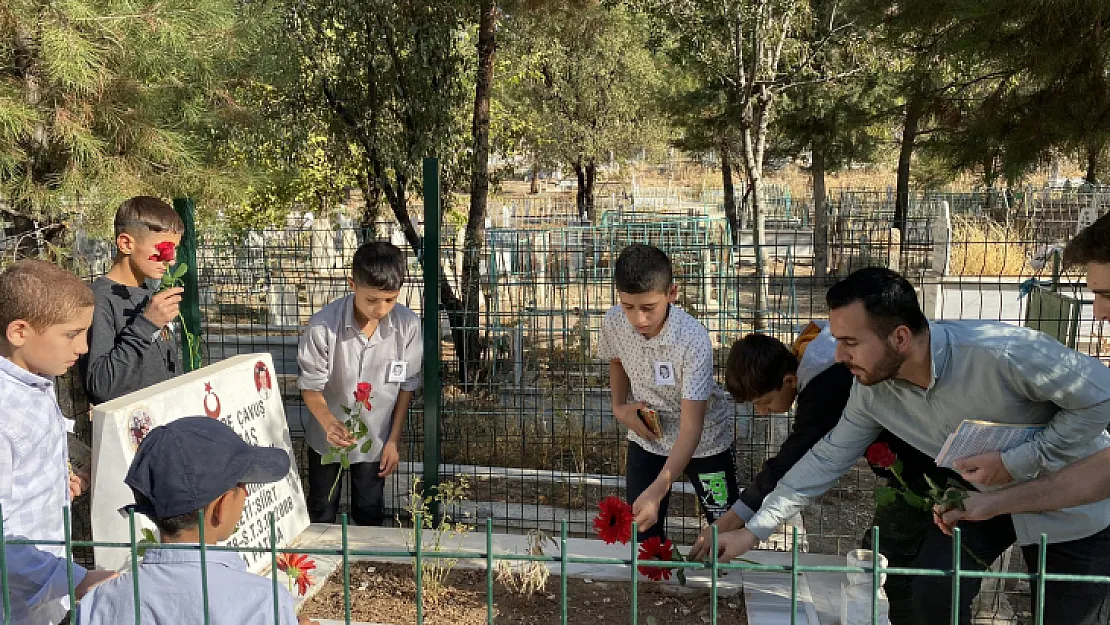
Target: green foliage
[[576, 83], [104, 99]]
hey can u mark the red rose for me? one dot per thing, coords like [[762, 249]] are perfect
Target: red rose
[[880, 455], [653, 549], [614, 522], [362, 394], [165, 252]]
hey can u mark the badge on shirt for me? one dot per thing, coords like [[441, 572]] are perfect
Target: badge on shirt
[[664, 373], [398, 371]]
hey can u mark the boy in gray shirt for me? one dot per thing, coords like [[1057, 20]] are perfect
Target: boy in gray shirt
[[362, 338], [131, 344]]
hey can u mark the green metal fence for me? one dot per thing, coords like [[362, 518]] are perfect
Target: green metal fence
[[488, 559]]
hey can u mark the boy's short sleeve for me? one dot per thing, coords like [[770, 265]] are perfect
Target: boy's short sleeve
[[697, 369], [313, 358], [414, 355], [606, 347]]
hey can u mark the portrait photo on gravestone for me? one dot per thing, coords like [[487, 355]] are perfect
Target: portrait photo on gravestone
[[238, 392]]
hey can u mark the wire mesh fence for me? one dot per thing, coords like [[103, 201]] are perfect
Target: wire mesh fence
[[533, 429]]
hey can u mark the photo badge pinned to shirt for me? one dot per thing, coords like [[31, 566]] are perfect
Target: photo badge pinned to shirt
[[664, 373], [398, 371]]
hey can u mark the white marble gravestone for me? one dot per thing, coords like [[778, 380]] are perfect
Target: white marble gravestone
[[243, 393]]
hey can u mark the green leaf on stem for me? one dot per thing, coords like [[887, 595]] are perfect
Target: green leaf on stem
[[345, 461], [367, 446]]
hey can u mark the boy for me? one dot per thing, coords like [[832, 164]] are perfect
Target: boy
[[661, 359], [45, 312], [131, 343], [364, 337], [191, 465], [763, 371]]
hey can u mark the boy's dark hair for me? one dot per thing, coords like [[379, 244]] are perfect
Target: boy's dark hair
[[757, 365], [887, 296], [143, 214], [379, 265], [1091, 245], [42, 294], [642, 269], [173, 525]]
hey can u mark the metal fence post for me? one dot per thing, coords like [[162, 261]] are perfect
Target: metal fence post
[[432, 382], [190, 299]]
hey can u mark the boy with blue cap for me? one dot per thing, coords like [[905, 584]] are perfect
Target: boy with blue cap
[[191, 465]]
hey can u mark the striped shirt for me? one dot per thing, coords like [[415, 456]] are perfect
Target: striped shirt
[[34, 488]]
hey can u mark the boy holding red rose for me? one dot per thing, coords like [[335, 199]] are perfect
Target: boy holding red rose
[[131, 341], [360, 359]]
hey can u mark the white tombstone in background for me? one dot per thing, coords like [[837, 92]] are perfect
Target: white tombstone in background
[[942, 240], [243, 393], [283, 305], [348, 240], [322, 245], [1088, 214]]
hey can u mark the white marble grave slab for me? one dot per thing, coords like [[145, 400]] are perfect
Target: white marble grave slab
[[240, 391]]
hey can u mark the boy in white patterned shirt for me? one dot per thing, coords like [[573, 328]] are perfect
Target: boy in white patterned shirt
[[661, 359], [45, 313]]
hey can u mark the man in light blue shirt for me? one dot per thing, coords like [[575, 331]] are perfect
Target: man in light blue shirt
[[920, 380], [180, 469]]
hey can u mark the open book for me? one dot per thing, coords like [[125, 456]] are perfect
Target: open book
[[972, 438]]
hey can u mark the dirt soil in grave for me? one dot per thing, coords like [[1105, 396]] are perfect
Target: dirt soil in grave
[[386, 593], [562, 494]]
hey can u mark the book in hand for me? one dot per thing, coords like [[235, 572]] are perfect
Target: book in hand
[[651, 420], [972, 438]]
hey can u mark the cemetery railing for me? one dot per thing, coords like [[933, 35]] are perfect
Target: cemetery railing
[[488, 559]]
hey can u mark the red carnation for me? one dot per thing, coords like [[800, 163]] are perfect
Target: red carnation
[[653, 549], [362, 394], [880, 455], [614, 522], [296, 566], [165, 252]]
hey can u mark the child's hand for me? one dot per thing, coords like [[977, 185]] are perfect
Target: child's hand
[[93, 579], [78, 484], [627, 416], [164, 306], [304, 620], [391, 457], [645, 510], [337, 434]]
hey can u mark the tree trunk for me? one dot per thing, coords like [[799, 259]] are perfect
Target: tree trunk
[[535, 187], [591, 178], [730, 194], [470, 357], [820, 212], [372, 209], [914, 113], [759, 237], [1093, 153], [580, 195]]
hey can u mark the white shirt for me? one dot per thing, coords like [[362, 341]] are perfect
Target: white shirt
[[683, 354], [34, 488], [334, 356]]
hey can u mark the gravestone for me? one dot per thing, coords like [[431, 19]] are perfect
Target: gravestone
[[242, 392]]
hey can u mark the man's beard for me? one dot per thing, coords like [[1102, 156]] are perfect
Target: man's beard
[[884, 370]]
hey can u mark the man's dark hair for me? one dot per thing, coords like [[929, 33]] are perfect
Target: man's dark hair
[[174, 525], [887, 296], [757, 365], [379, 265], [1091, 245], [642, 269]]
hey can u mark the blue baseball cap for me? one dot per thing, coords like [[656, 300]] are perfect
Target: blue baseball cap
[[183, 466]]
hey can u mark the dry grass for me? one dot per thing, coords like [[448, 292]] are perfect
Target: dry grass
[[986, 248]]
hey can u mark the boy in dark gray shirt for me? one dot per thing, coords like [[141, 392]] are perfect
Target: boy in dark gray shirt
[[131, 342]]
